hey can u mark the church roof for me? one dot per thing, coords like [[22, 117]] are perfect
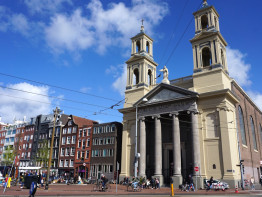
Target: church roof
[[166, 93]]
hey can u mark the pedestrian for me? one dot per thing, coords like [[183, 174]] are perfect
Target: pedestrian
[[191, 183], [157, 184], [9, 182], [252, 183]]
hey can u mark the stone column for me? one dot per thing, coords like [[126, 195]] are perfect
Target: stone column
[[142, 146], [196, 149], [158, 150], [177, 178], [195, 140]]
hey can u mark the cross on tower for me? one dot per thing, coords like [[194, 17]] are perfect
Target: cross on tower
[[142, 21]]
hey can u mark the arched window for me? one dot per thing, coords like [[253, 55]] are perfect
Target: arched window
[[206, 57], [138, 48], [211, 126], [204, 22], [253, 133], [147, 47], [149, 77], [242, 125], [136, 77], [222, 57]]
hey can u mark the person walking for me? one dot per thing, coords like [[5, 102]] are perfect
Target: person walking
[[252, 183], [191, 183], [9, 182]]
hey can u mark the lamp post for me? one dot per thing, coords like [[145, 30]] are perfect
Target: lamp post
[[56, 113], [137, 154]]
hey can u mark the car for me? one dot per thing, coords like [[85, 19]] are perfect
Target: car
[[216, 185]]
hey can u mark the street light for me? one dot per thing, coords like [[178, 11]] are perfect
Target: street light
[[56, 113], [137, 155]]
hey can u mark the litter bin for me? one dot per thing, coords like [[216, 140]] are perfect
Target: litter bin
[[29, 180]]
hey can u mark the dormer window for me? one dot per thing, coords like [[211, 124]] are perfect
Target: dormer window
[[204, 22]]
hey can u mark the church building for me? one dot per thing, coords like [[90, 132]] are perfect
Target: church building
[[201, 125]]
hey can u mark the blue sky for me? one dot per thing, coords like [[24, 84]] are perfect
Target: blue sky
[[83, 46]]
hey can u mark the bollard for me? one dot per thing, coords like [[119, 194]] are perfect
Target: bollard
[[172, 187]]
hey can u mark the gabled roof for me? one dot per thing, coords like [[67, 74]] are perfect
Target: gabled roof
[[166, 93], [82, 121]]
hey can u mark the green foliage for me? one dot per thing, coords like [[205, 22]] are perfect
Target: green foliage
[[43, 153], [9, 155]]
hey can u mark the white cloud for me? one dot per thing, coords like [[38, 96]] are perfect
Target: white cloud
[[120, 83], [71, 33], [238, 68], [45, 6], [19, 104], [19, 23], [102, 28], [13, 22], [256, 97]]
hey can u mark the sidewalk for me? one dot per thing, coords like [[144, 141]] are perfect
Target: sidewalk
[[81, 190]]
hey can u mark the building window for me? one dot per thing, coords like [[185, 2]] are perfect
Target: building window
[[78, 154], [253, 133], [242, 126], [72, 151], [88, 131], [64, 130], [79, 143], [204, 22], [63, 140], [69, 131], [66, 163], [80, 132], [61, 164], [82, 155], [87, 154], [62, 152], [67, 151], [149, 77], [73, 139], [88, 143], [71, 163], [104, 153], [206, 57], [84, 133], [136, 77], [68, 140], [74, 129]]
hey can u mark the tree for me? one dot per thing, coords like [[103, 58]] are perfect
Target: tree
[[43, 153], [9, 155]]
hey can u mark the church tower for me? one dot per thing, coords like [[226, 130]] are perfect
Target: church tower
[[141, 68], [209, 49]]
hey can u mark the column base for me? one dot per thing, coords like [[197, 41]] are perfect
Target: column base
[[160, 178], [199, 182], [177, 180]]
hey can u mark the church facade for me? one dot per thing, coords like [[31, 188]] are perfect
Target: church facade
[[192, 125]]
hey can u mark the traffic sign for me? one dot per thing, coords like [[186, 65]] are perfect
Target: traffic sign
[[196, 169], [84, 164]]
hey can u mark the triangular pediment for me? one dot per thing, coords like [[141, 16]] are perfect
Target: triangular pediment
[[165, 93]]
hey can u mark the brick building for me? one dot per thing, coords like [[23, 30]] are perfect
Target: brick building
[[106, 149], [70, 162]]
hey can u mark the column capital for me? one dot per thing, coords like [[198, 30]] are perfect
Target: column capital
[[156, 116], [143, 118], [174, 114], [193, 112]]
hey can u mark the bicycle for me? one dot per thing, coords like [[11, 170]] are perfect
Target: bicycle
[[136, 187]]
